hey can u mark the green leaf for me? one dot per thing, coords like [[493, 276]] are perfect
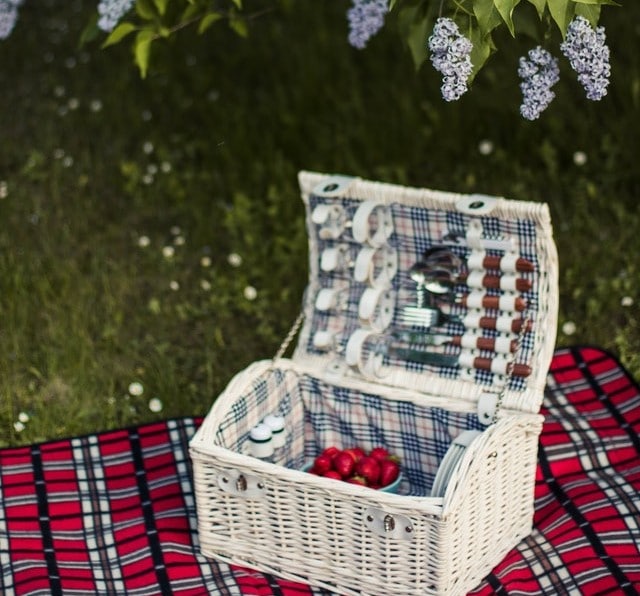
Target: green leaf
[[589, 12], [505, 8], [118, 34], [487, 16], [90, 32], [142, 50], [539, 4], [238, 3], [483, 47], [562, 12], [527, 22], [415, 24], [189, 12], [146, 9], [239, 26], [161, 5], [208, 20], [600, 2]]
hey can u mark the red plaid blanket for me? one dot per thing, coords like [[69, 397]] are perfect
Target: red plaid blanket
[[114, 513]]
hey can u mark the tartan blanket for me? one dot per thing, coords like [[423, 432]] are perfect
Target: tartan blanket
[[114, 512]]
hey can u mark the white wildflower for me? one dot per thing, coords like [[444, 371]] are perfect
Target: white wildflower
[[485, 147], [579, 158], [155, 405], [136, 389]]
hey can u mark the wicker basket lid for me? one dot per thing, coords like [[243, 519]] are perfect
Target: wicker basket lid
[[438, 293]]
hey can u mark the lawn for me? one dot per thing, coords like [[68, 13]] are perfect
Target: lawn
[[153, 242]]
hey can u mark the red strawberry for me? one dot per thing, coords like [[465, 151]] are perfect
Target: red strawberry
[[389, 471], [321, 464], [330, 451], [369, 469], [344, 464], [332, 474], [379, 453], [357, 480], [356, 452]]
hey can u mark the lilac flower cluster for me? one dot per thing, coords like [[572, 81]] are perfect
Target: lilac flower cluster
[[8, 16], [450, 55], [366, 18], [588, 54], [539, 72], [111, 11]]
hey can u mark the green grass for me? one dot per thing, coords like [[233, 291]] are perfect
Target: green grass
[[94, 158]]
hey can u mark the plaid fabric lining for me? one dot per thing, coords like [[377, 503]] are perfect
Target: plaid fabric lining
[[415, 230], [419, 436], [114, 513], [318, 414]]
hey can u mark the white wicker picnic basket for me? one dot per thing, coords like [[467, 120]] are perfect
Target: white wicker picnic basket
[[463, 417]]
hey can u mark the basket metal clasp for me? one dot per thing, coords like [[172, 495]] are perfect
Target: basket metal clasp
[[389, 525], [241, 484]]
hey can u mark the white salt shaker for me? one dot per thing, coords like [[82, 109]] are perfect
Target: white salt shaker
[[260, 441], [278, 434]]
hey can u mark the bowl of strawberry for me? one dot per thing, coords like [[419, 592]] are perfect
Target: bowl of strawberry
[[377, 469]]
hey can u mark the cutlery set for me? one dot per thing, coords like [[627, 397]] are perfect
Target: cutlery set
[[469, 311], [492, 301]]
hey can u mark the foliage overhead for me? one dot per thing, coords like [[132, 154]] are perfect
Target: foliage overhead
[[459, 36], [479, 20]]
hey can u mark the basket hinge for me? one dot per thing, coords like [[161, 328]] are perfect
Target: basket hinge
[[487, 408], [388, 525]]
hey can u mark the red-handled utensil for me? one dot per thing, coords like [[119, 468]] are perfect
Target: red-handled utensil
[[491, 344], [496, 365], [477, 279], [506, 264], [493, 302]]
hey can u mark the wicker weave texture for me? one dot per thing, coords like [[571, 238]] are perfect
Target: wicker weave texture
[[314, 530]]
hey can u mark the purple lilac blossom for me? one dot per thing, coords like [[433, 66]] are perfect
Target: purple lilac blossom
[[111, 11], [588, 55], [539, 72], [450, 56], [366, 18], [8, 16]]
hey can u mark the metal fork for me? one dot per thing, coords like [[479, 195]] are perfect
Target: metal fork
[[426, 317]]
